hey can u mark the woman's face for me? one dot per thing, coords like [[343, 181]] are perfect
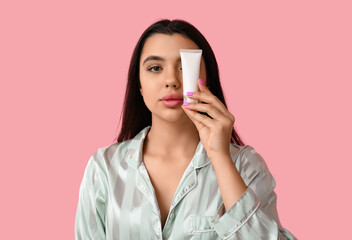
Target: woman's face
[[163, 75]]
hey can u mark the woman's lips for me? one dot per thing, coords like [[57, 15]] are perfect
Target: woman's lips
[[172, 102]]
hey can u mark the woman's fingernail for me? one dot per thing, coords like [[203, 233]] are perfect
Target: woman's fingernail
[[201, 82], [189, 93], [185, 103]]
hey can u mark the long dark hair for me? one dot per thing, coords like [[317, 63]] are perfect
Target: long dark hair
[[136, 115]]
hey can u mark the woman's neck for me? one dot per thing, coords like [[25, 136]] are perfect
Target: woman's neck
[[171, 140]]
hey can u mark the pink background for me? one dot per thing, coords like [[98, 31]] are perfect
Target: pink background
[[285, 68]]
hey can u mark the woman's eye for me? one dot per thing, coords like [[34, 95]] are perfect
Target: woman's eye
[[154, 69]]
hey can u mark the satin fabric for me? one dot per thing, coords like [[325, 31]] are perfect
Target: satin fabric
[[117, 199]]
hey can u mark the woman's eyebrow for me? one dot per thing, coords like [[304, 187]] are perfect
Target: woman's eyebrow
[[157, 58]]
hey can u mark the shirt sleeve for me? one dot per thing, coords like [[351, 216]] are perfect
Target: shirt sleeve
[[90, 214], [254, 215]]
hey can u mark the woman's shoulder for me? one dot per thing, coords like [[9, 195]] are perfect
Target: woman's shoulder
[[239, 150], [246, 157], [253, 170], [111, 154]]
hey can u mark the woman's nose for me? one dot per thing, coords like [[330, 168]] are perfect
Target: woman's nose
[[173, 79]]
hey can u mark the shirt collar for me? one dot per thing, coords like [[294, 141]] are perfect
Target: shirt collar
[[135, 148]]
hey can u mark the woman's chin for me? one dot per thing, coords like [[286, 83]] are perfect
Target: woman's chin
[[175, 116]]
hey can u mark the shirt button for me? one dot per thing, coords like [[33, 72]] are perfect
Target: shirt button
[[172, 215], [157, 230]]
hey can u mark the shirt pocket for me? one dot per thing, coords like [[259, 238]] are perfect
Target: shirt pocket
[[202, 228]]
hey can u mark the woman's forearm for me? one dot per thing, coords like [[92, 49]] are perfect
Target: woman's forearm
[[230, 182]]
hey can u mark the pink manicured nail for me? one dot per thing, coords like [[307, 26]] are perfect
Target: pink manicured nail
[[189, 93], [185, 103], [201, 82]]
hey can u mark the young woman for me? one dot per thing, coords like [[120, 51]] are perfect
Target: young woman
[[177, 171]]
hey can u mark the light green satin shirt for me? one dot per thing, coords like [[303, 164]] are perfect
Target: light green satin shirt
[[117, 199]]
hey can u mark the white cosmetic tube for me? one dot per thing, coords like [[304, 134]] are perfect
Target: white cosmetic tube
[[190, 60]]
